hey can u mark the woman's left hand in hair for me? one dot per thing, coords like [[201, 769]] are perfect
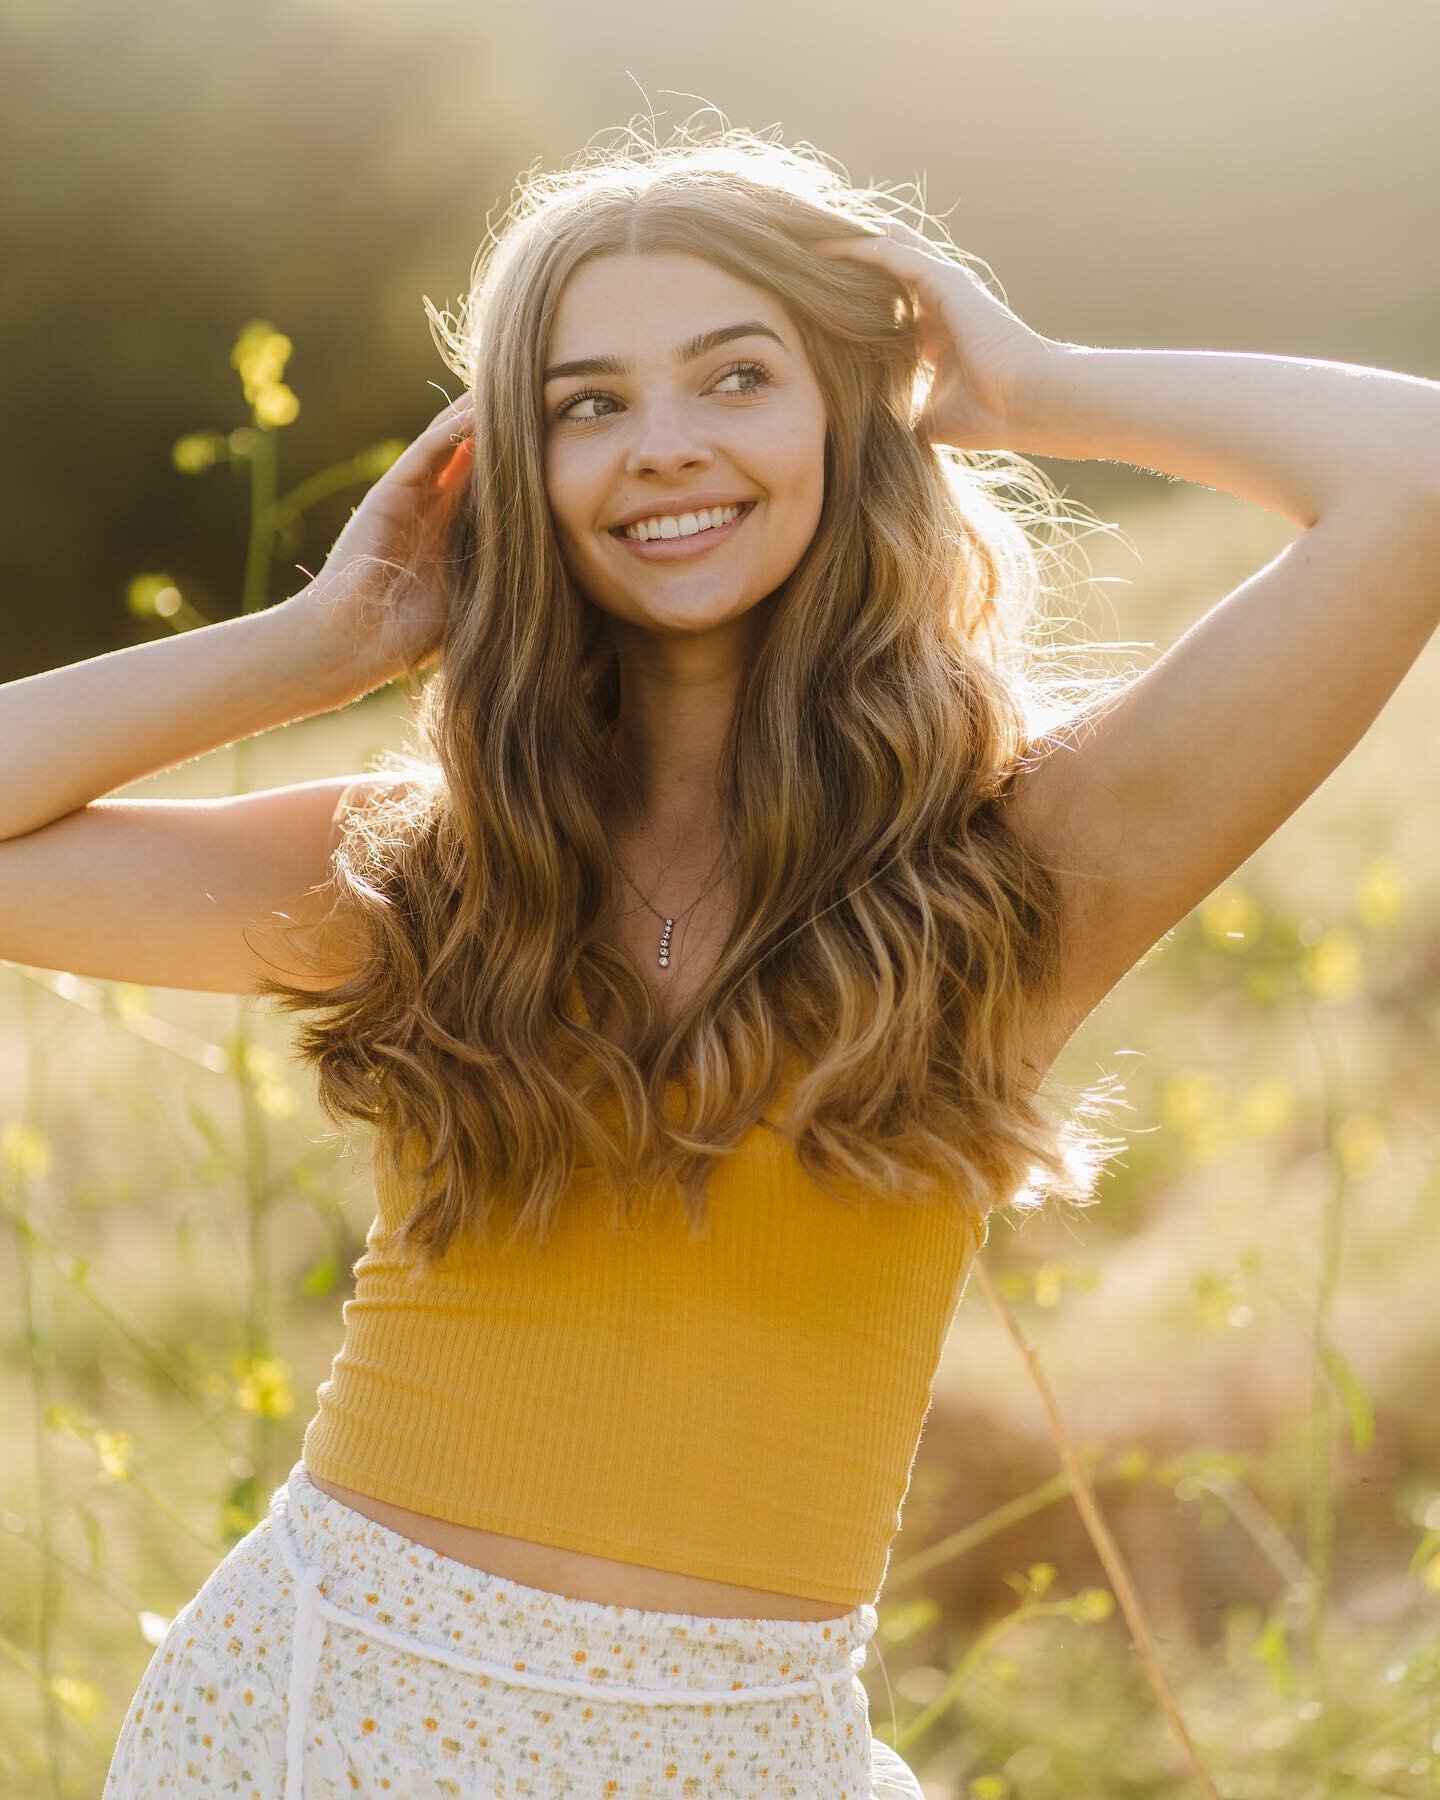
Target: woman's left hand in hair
[[985, 361]]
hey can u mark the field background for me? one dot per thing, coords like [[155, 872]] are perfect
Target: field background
[[1242, 1337]]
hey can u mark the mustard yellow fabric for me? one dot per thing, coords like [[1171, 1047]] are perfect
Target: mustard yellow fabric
[[744, 1407]]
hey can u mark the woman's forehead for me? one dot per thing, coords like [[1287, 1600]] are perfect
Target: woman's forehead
[[655, 300]]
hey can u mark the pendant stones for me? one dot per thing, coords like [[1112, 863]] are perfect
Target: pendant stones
[[665, 944]]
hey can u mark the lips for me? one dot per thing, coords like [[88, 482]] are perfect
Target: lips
[[678, 549]]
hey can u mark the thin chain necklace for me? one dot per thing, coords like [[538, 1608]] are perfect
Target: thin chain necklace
[[668, 922]]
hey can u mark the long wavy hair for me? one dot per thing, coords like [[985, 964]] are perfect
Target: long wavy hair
[[891, 938]]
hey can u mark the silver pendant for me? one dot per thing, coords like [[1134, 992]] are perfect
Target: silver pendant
[[665, 944]]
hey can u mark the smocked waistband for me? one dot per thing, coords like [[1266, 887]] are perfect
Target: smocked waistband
[[368, 1596]]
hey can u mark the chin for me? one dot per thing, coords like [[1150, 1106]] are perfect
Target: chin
[[703, 615]]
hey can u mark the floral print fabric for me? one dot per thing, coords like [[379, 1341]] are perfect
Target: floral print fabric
[[328, 1656]]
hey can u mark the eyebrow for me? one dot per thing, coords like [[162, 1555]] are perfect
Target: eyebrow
[[685, 353]]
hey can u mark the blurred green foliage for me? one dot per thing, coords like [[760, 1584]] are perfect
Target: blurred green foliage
[[1247, 1370], [1243, 1334], [184, 166]]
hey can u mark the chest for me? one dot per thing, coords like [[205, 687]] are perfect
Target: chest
[[674, 960], [691, 947]]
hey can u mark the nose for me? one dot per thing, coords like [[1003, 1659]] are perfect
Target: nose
[[666, 438]]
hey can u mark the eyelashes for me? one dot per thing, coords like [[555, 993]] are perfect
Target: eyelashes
[[564, 412]]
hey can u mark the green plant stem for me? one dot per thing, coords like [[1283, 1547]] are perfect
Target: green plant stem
[[1320, 1490], [1261, 1526], [102, 1583], [970, 1662], [152, 1496], [62, 1260], [37, 1317], [32, 1667], [981, 1530], [1098, 1530], [256, 1176], [1383, 1733], [255, 1159], [261, 538], [354, 471]]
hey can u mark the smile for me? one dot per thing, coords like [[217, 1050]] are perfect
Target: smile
[[672, 549]]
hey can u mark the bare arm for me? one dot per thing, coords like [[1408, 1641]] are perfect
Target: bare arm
[[1296, 435], [174, 893], [210, 894], [73, 734], [199, 894], [1213, 748], [1151, 806]]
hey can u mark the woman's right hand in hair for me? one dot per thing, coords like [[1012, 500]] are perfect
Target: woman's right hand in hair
[[381, 595]]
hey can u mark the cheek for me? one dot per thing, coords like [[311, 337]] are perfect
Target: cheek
[[807, 481], [802, 448], [567, 492]]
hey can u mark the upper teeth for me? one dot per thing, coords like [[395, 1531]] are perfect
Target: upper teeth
[[670, 525]]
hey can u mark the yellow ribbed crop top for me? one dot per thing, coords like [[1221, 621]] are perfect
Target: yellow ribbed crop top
[[743, 1407]]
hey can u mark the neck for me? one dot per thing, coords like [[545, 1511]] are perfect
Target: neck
[[677, 699], [677, 812]]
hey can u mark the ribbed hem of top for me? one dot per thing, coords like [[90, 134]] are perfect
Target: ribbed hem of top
[[672, 1558]]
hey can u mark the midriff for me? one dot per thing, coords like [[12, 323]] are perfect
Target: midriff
[[578, 1576]]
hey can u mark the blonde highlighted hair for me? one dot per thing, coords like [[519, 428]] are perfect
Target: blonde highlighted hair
[[892, 937]]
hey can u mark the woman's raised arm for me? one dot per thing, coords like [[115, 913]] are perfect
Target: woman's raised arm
[[75, 734]]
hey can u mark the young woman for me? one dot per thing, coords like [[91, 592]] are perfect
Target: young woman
[[699, 983]]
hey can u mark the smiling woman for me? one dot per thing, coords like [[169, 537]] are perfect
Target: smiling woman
[[697, 989], [679, 431]]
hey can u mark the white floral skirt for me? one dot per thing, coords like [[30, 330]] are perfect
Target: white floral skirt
[[328, 1656]]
